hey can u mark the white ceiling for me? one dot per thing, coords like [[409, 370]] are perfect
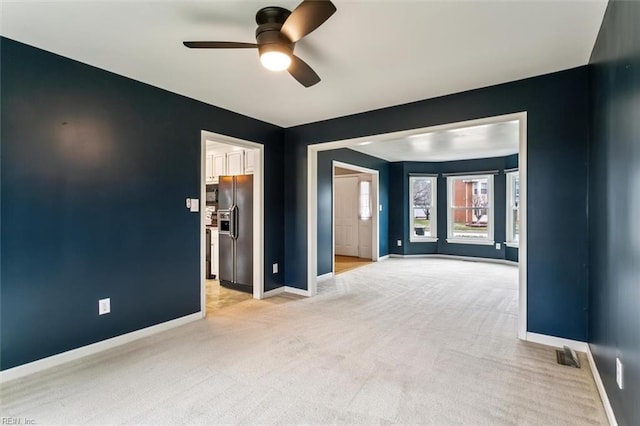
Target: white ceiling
[[370, 54], [482, 141]]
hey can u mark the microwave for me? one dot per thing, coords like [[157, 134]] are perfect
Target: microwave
[[212, 195]]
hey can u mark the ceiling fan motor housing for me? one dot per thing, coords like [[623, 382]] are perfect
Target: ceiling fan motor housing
[[268, 35]]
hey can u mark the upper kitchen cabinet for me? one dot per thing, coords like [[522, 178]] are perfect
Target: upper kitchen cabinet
[[249, 161], [235, 163], [219, 162], [208, 169]]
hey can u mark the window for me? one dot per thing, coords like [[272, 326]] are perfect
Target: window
[[364, 205], [422, 208], [470, 209], [513, 209]]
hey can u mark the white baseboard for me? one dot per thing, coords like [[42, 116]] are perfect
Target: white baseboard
[[298, 291], [381, 258], [274, 292], [455, 257], [325, 276], [285, 289], [74, 354], [557, 342], [601, 390]]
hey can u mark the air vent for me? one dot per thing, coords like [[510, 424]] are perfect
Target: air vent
[[568, 356]]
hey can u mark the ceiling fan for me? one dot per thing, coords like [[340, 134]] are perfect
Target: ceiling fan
[[277, 34]]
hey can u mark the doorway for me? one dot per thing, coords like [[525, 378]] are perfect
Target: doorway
[[222, 155], [353, 233], [312, 198]]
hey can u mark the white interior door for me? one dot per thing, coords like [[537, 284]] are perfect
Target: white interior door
[[364, 243], [346, 215]]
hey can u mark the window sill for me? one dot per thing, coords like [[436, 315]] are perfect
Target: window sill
[[465, 241], [512, 244], [423, 239]]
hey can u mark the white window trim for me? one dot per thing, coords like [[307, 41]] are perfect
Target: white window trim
[[490, 225], [434, 211], [509, 222]]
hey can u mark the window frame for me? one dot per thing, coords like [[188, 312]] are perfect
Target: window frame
[[509, 235], [490, 240], [433, 236]]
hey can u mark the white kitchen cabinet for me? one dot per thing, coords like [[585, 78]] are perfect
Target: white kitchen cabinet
[[229, 164], [219, 166], [249, 161], [235, 163], [208, 169]]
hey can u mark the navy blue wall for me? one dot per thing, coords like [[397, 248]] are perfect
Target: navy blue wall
[[558, 111], [399, 182], [614, 297], [325, 199], [95, 170]]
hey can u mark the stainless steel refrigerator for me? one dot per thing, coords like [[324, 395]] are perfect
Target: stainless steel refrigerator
[[235, 228]]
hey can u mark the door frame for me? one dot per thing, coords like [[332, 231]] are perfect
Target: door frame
[[258, 212], [375, 210], [312, 198]]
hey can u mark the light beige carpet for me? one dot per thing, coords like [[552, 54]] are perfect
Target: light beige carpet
[[420, 341]]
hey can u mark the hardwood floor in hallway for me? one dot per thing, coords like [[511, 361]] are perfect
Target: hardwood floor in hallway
[[347, 263], [219, 297]]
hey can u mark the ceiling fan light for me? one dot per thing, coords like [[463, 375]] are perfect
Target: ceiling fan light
[[275, 60]]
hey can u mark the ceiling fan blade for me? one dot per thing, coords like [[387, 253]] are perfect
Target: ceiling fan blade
[[303, 72], [305, 18], [219, 45]]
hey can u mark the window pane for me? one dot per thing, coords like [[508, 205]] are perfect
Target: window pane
[[471, 194], [513, 203], [467, 225], [365, 200], [422, 206], [470, 203], [515, 220]]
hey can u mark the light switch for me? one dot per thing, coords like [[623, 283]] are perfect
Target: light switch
[[104, 306], [195, 205]]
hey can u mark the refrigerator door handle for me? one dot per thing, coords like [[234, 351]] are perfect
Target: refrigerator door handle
[[234, 214], [232, 222]]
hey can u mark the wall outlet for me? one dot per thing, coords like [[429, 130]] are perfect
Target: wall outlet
[[380, 207], [104, 306], [497, 246], [619, 373], [275, 268], [399, 243]]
